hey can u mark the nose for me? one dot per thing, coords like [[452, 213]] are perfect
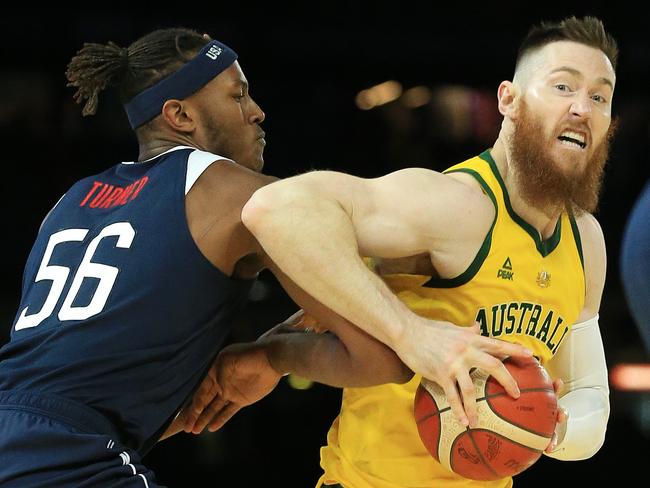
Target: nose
[[581, 106], [257, 116]]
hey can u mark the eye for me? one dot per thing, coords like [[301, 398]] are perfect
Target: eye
[[563, 87], [599, 98]]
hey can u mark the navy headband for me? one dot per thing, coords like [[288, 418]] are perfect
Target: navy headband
[[212, 60]]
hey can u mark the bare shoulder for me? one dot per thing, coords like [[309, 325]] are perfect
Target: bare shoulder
[[457, 184], [455, 204], [213, 209], [593, 240], [413, 186], [595, 261], [403, 213], [232, 179]]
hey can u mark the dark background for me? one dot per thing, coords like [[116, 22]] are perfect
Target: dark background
[[306, 63]]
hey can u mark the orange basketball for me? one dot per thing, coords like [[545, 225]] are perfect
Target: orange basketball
[[510, 435]]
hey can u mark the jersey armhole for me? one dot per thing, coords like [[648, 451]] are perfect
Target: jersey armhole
[[197, 163], [576, 236], [483, 252]]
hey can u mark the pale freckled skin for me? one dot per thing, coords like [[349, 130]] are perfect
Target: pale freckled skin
[[565, 84]]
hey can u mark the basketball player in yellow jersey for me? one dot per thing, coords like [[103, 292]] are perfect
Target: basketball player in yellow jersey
[[508, 242]]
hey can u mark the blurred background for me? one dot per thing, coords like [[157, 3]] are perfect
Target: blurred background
[[363, 88]]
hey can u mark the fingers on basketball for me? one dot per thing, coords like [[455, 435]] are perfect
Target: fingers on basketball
[[468, 393], [455, 403]]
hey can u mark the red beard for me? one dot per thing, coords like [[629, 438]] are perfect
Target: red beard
[[541, 182]]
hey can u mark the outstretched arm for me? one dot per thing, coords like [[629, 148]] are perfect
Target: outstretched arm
[[345, 357], [315, 226], [245, 373]]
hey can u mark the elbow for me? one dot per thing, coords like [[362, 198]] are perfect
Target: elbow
[[600, 429], [588, 410], [272, 204], [595, 448], [256, 208], [589, 449], [583, 452], [579, 451]]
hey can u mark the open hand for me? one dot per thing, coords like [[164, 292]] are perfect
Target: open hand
[[445, 353], [240, 376]]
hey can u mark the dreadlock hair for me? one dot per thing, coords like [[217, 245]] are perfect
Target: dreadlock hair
[[132, 69], [587, 30]]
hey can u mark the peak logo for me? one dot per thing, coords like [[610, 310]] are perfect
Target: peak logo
[[506, 272]]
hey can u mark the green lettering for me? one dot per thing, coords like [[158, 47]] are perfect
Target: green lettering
[[511, 318], [481, 318], [541, 335], [524, 308], [534, 318], [549, 344], [494, 317], [496, 331]]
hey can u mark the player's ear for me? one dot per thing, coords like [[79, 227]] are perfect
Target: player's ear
[[176, 115], [507, 95]]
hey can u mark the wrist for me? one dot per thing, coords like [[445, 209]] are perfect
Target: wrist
[[276, 353], [403, 343]]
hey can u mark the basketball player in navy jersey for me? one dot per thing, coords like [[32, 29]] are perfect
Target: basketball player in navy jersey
[[137, 272]]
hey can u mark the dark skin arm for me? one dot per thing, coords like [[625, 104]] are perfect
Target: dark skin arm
[[224, 240], [346, 357]]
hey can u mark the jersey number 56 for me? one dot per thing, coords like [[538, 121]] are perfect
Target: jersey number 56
[[87, 269]]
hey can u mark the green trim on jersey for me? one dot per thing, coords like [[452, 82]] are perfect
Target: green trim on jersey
[[576, 236], [483, 252], [543, 247]]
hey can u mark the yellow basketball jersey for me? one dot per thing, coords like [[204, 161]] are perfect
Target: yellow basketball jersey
[[518, 288]]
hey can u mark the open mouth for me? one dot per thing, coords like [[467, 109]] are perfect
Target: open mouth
[[573, 139]]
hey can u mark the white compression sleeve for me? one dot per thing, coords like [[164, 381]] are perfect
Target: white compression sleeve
[[580, 363]]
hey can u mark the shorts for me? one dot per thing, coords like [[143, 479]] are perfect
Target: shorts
[[47, 442]]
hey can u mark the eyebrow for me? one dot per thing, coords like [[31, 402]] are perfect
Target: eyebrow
[[242, 84], [575, 72]]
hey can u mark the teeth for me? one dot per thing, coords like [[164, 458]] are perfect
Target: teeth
[[573, 135], [572, 138], [572, 143]]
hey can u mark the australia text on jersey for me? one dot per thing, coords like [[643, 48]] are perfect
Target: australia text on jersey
[[523, 318], [107, 195]]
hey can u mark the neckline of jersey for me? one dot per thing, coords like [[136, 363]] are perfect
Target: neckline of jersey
[[176, 148], [544, 247]]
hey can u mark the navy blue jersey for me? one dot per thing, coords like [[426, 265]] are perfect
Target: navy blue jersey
[[120, 310]]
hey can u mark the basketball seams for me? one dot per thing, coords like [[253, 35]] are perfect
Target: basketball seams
[[508, 439], [525, 434], [512, 422], [450, 432], [484, 398], [487, 463], [479, 453]]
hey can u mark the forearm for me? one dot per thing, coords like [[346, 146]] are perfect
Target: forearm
[[325, 359], [310, 236], [580, 363]]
